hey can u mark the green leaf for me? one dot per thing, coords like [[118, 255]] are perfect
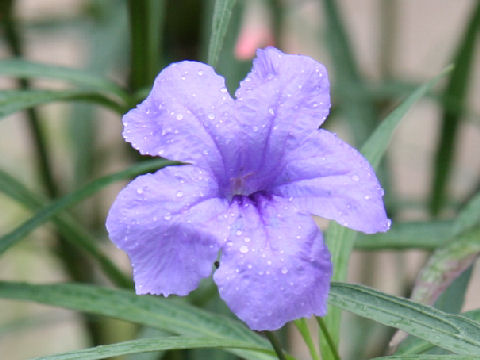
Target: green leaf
[[146, 21], [451, 332], [445, 265], [455, 93], [221, 17], [376, 145], [66, 225], [468, 217], [414, 345], [74, 197], [26, 69], [15, 100], [167, 314], [407, 235], [428, 357], [156, 344]]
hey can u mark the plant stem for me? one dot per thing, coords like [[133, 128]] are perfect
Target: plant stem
[[275, 344], [328, 338], [146, 20], [302, 327]]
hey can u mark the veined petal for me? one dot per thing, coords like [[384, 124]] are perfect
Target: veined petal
[[162, 221], [186, 117], [329, 178], [274, 267], [283, 99]]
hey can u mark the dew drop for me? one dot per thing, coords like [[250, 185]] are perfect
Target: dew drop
[[355, 178], [230, 244], [271, 111], [389, 223], [284, 270], [367, 197], [140, 191], [179, 116], [255, 128], [179, 194], [200, 73], [243, 249], [167, 217], [238, 232], [247, 239], [211, 116], [249, 266]]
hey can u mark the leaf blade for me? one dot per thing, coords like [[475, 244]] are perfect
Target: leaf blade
[[220, 20], [151, 344], [167, 314], [451, 332], [12, 101], [26, 69], [58, 205]]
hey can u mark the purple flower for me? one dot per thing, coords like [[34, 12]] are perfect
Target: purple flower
[[259, 169]]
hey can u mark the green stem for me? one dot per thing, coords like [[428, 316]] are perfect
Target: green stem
[[146, 20], [303, 329], [277, 347], [328, 338]]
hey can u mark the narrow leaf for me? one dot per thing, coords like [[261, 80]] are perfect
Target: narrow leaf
[[376, 145], [74, 197], [220, 20], [427, 357], [155, 344], [451, 332], [407, 235], [445, 265], [70, 229], [15, 100], [455, 93], [167, 314], [26, 69]]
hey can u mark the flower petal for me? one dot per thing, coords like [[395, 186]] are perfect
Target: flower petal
[[329, 178], [185, 117], [283, 99], [274, 267], [162, 221]]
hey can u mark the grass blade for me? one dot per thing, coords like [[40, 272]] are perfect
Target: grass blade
[[74, 197], [221, 18]]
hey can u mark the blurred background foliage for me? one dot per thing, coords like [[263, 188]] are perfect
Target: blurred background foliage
[[68, 134]]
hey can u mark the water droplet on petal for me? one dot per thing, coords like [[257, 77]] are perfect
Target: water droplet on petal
[[243, 249], [179, 194], [200, 73], [247, 239], [179, 116], [238, 232], [271, 111], [167, 216], [284, 270], [211, 116], [255, 128], [355, 178], [139, 190], [367, 197]]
